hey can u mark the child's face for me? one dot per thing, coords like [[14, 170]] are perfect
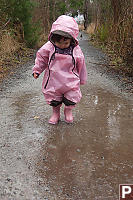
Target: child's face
[[63, 43]]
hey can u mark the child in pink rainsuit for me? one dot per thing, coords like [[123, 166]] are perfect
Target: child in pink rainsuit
[[64, 65]]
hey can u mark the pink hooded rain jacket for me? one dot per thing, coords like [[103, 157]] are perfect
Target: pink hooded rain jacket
[[63, 73]]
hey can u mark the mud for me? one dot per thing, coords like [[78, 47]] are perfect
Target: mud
[[86, 160]]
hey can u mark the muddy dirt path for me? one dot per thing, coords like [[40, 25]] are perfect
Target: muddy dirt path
[[86, 160]]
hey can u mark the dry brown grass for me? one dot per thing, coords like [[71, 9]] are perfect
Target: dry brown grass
[[43, 39], [12, 53], [91, 28], [81, 27], [8, 45]]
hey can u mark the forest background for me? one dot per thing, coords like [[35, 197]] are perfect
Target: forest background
[[25, 24]]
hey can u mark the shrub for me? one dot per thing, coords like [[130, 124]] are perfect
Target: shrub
[[102, 32], [20, 13]]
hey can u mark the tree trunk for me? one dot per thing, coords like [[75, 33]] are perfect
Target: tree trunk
[[48, 14], [116, 10], [86, 13]]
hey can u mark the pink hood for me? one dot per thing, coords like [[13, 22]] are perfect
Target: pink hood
[[67, 24]]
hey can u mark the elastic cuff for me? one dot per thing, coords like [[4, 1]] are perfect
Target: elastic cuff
[[36, 74], [67, 102], [55, 103]]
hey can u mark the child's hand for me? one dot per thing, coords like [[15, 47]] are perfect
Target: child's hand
[[35, 75]]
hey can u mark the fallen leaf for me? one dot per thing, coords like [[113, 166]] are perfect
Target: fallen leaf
[[36, 117]]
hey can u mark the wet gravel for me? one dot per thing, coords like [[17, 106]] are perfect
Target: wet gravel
[[86, 160]]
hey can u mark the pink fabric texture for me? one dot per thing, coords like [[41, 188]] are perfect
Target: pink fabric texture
[[55, 116], [61, 76], [68, 114]]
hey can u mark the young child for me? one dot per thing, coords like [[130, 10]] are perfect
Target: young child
[[64, 65]]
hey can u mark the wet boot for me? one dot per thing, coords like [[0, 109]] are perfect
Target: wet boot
[[68, 114], [54, 119]]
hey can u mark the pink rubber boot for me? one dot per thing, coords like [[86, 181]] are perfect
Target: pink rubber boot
[[68, 114], [54, 119]]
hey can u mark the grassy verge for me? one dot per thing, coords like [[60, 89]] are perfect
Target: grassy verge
[[116, 62], [116, 44], [113, 49], [13, 53], [10, 62]]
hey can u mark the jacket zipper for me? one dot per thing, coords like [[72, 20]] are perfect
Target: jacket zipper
[[73, 60], [52, 58]]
